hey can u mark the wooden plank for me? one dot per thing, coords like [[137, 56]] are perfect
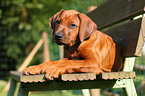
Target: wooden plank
[[13, 84], [115, 11], [92, 76], [130, 89], [46, 52], [129, 36], [118, 75], [80, 77], [107, 79], [68, 85], [141, 37], [128, 66], [18, 76], [23, 91]]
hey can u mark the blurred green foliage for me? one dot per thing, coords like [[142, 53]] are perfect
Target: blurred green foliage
[[24, 21]]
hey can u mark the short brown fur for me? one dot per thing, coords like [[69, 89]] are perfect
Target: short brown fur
[[85, 48]]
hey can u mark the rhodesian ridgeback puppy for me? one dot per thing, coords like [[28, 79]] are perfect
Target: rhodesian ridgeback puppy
[[85, 48]]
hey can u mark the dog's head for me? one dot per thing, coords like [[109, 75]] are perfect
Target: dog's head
[[70, 24]]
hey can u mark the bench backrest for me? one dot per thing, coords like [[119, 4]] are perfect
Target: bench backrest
[[115, 18]]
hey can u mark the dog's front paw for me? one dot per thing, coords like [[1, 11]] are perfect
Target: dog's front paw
[[55, 70], [37, 69], [32, 70]]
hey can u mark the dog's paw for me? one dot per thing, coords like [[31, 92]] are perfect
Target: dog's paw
[[32, 70], [37, 69], [55, 71]]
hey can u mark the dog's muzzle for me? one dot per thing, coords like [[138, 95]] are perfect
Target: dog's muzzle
[[58, 36]]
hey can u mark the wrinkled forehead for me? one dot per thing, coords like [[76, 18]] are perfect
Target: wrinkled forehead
[[69, 13]]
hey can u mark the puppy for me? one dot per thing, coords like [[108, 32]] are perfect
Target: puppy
[[85, 48]]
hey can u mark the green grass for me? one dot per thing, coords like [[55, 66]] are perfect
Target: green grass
[[41, 93], [2, 85]]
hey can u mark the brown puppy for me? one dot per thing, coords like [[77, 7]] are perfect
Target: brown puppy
[[85, 48]]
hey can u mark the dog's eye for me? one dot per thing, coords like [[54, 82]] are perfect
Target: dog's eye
[[57, 22], [73, 26]]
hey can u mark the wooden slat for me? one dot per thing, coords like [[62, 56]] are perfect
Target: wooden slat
[[80, 77], [118, 75], [92, 76], [114, 11], [129, 36], [18, 76], [68, 85], [141, 37], [73, 77]]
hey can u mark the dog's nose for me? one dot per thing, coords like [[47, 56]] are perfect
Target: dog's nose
[[58, 36]]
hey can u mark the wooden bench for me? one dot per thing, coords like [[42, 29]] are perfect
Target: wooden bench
[[115, 18]]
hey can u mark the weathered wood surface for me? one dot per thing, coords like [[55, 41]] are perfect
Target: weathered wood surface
[[67, 85], [13, 84], [46, 56], [118, 75], [129, 36], [18, 76], [116, 11], [78, 77]]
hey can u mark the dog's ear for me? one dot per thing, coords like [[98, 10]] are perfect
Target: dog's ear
[[87, 26], [53, 19]]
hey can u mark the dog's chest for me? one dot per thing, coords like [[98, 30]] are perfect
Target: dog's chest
[[75, 56], [71, 53]]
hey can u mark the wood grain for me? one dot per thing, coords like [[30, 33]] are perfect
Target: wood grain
[[68, 85], [116, 11], [129, 36], [18, 76]]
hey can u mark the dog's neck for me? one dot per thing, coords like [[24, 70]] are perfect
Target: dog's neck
[[73, 44], [76, 42], [71, 51]]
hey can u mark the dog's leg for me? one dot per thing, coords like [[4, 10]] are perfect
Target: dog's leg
[[39, 69], [72, 66]]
